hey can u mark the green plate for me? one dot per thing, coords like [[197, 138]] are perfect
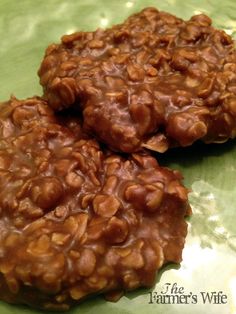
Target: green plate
[[209, 257]]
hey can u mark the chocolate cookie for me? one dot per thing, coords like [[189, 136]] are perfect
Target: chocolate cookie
[[154, 81], [76, 221]]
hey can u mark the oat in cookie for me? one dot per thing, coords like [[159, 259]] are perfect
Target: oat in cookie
[[76, 221], [155, 81]]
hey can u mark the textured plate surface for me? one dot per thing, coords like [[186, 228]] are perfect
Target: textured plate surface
[[209, 257]]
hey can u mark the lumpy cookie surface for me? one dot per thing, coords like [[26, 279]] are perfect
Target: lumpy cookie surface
[[75, 221], [154, 81]]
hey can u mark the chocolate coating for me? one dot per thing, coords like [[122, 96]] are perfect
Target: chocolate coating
[[154, 81], [75, 221]]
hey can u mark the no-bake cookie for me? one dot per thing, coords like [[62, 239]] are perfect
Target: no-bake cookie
[[155, 81], [76, 221]]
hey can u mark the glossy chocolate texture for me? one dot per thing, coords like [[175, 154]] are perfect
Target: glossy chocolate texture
[[74, 220], [155, 81]]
